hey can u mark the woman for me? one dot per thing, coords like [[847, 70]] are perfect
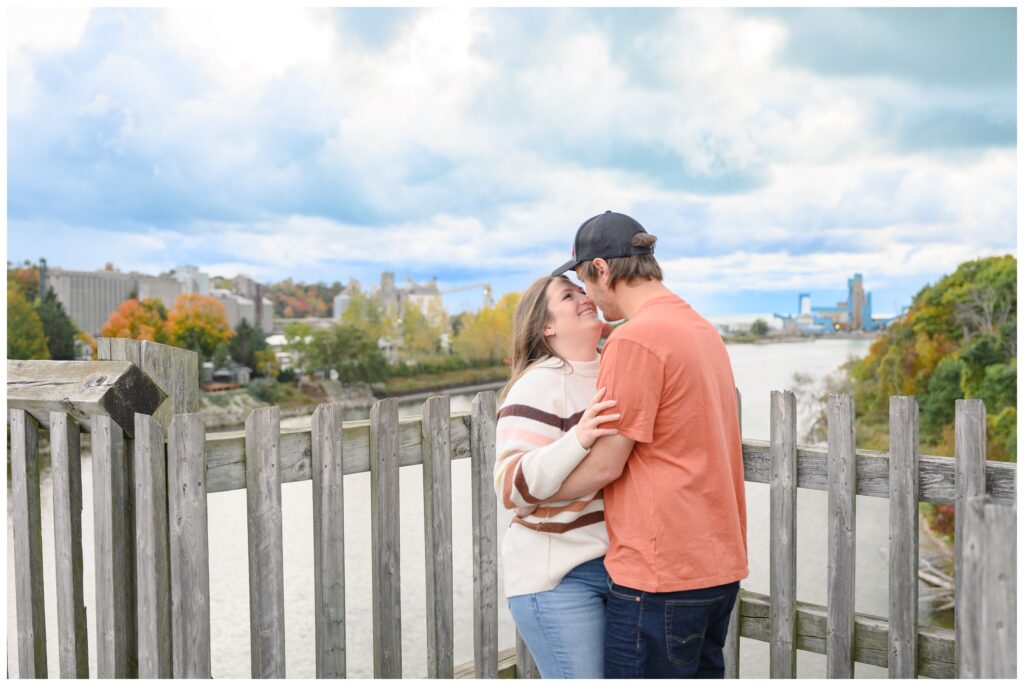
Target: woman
[[553, 552]]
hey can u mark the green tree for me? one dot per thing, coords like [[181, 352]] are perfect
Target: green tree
[[759, 327], [297, 337], [26, 339], [247, 341], [60, 330], [957, 340], [348, 350]]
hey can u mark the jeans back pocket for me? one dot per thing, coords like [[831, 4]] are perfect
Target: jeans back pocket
[[686, 622]]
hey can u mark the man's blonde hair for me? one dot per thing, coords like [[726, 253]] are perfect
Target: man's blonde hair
[[631, 268]]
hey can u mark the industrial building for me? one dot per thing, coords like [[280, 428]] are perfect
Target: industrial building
[[89, 298], [853, 314]]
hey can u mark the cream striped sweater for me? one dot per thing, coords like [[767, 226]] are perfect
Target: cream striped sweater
[[537, 448]]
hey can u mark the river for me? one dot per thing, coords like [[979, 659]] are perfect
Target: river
[[759, 369]]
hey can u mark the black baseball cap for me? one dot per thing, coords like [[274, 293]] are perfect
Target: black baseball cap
[[606, 236]]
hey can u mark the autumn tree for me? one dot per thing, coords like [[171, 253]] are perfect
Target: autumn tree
[[199, 323], [367, 313], [486, 336], [141, 321], [26, 339]]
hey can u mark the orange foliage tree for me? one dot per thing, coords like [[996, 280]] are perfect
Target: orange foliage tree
[[142, 321], [199, 323]]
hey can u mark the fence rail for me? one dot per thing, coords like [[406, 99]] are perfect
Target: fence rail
[[152, 553]]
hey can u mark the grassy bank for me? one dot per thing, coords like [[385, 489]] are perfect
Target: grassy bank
[[455, 377]]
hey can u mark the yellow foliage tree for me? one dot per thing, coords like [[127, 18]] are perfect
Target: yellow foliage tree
[[199, 323], [486, 336]]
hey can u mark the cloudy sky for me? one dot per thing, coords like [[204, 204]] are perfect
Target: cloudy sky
[[771, 152]]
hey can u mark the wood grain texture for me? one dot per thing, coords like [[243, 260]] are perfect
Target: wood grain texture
[[28, 545], [842, 538], [937, 475], [989, 600], [153, 563], [731, 651], [871, 635], [999, 584], [485, 536], [782, 547], [81, 389], [189, 548], [226, 451], [526, 668], [903, 536], [113, 602], [66, 473], [970, 482], [266, 545], [437, 537], [385, 540], [329, 540]]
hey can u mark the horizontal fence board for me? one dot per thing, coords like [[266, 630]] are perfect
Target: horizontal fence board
[[506, 667], [226, 455], [871, 635], [117, 389], [937, 474], [225, 452]]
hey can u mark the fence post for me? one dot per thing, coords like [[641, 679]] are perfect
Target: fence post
[[385, 541], [842, 538], [990, 589], [153, 565], [437, 536], [903, 537], [28, 546], [329, 540], [115, 639], [782, 565], [176, 372], [485, 536], [72, 629], [970, 482], [189, 547], [266, 542]]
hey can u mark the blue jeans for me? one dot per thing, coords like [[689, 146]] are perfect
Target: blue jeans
[[676, 635], [564, 627]]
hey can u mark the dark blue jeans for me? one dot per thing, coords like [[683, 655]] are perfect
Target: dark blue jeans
[[667, 635]]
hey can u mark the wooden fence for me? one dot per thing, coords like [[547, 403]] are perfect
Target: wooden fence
[[151, 479]]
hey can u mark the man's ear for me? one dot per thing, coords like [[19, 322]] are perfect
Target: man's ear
[[603, 270]]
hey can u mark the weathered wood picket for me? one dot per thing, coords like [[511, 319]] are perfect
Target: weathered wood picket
[[154, 467]]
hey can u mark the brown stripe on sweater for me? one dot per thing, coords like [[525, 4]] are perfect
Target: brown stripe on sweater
[[574, 506], [522, 487], [561, 528], [541, 416], [506, 488]]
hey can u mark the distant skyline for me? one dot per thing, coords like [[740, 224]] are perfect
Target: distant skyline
[[771, 151]]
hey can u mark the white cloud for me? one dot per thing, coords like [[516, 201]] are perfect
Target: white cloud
[[471, 138], [45, 28]]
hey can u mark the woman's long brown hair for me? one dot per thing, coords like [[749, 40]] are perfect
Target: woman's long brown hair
[[529, 344]]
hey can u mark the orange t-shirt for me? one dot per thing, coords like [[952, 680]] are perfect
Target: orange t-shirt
[[677, 516]]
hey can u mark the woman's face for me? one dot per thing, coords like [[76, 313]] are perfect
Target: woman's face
[[574, 319]]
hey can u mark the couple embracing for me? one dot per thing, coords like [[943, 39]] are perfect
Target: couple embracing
[[624, 469]]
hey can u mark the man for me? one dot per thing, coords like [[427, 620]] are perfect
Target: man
[[673, 475]]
